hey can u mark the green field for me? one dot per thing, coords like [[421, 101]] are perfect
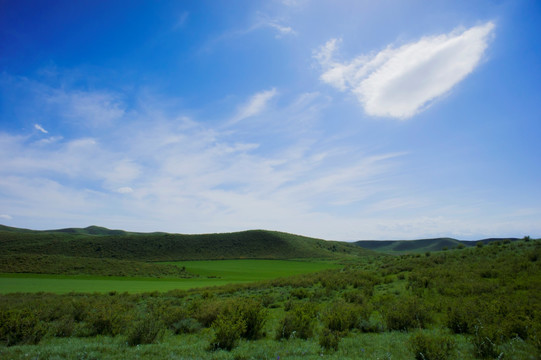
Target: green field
[[211, 273]]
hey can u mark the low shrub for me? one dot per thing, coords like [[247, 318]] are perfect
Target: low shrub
[[63, 327], [20, 327], [432, 346], [484, 343], [329, 340], [146, 330], [341, 317], [406, 314], [186, 326], [254, 315], [298, 322], [227, 330]]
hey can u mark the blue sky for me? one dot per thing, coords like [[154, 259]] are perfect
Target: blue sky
[[338, 119]]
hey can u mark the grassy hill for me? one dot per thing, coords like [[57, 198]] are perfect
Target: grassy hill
[[96, 242], [422, 245], [69, 265]]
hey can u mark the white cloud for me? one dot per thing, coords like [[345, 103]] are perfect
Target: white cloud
[[282, 29], [40, 128], [400, 82], [254, 106], [92, 109], [6, 217], [124, 190]]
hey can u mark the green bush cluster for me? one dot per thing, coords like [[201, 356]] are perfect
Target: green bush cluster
[[406, 313], [299, 322], [20, 327], [239, 318], [431, 346]]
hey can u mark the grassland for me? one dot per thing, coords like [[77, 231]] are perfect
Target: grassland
[[207, 274], [480, 302]]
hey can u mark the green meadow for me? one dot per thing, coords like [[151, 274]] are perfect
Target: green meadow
[[208, 273]]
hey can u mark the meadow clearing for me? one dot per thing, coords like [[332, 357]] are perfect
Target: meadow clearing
[[208, 273]]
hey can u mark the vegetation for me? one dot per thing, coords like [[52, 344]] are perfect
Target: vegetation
[[95, 242], [423, 245], [474, 302], [205, 274], [68, 265]]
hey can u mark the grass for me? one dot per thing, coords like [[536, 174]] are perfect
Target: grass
[[212, 273], [189, 346], [484, 299], [252, 270]]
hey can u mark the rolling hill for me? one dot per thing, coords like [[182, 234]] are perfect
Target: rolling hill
[[422, 245], [98, 242]]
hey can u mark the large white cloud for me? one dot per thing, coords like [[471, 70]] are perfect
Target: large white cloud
[[400, 82]]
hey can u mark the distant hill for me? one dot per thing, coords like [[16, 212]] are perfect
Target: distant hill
[[422, 245], [98, 242]]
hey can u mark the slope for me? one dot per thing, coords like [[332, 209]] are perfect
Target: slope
[[422, 245], [96, 242]]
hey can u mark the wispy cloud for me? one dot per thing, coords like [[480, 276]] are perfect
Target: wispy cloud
[[181, 21], [175, 173], [124, 190], [40, 128], [255, 105], [88, 108], [264, 21], [5, 217], [400, 82]]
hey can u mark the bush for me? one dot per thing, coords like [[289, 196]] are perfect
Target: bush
[[239, 318], [298, 323], [484, 343], [459, 318], [186, 326], [104, 320], [253, 314], [20, 327], [207, 312], [62, 328], [431, 346], [405, 314], [329, 339], [146, 330], [341, 317], [227, 331]]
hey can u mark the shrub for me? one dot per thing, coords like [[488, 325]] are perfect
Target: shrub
[[227, 331], [405, 314], [354, 296], [329, 339], [341, 317], [253, 314], [104, 320], [186, 326], [459, 319], [146, 330], [62, 328], [207, 312], [300, 293], [299, 322], [431, 346], [20, 327], [484, 343]]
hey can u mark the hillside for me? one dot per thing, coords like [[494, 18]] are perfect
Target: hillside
[[96, 242], [422, 245]]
